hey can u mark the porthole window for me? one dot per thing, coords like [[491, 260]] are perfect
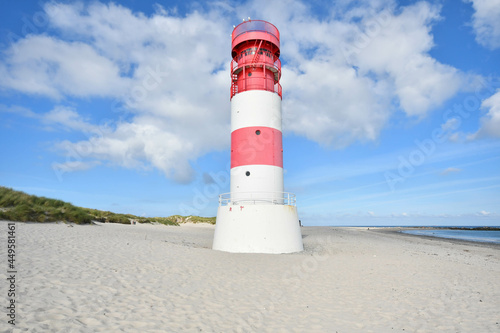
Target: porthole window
[[257, 132], [247, 173], [249, 74]]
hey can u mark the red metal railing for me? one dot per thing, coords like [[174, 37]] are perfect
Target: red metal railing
[[242, 83], [236, 65], [257, 198]]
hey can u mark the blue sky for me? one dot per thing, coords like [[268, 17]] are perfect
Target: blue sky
[[391, 110]]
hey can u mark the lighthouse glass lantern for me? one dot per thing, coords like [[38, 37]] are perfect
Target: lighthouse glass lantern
[[257, 216]]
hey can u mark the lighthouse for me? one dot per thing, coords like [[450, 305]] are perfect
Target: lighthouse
[[257, 216]]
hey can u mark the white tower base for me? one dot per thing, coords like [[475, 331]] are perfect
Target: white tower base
[[258, 229]]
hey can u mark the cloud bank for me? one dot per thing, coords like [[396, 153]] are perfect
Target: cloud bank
[[490, 123], [167, 77], [486, 22]]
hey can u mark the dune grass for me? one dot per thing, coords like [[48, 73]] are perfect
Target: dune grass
[[19, 206], [23, 207]]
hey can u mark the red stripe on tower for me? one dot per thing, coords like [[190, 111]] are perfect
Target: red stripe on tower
[[256, 145]]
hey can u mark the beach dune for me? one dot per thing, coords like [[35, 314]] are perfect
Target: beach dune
[[154, 278]]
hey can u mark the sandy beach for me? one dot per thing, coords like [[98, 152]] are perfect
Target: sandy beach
[[154, 278]]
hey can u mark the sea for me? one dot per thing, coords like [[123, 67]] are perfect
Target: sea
[[483, 236]]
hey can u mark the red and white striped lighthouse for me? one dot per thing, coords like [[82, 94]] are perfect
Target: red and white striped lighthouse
[[256, 216]]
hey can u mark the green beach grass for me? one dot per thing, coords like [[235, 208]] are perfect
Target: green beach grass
[[23, 207]]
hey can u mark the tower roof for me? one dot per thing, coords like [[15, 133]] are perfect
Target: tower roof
[[253, 30]]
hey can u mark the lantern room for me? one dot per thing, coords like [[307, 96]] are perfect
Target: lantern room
[[255, 52]]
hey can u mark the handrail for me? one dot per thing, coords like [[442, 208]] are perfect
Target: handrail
[[275, 87], [257, 198], [236, 65], [235, 89]]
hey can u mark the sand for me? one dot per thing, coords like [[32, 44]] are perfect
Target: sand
[[154, 278]]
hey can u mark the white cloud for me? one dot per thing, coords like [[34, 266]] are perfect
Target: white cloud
[[44, 65], [450, 170], [399, 215], [490, 123], [400, 51], [451, 124], [334, 109], [61, 116], [68, 118], [20, 110], [74, 166], [147, 142], [486, 22]]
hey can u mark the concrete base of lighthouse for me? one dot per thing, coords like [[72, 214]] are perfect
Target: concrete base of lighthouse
[[258, 229]]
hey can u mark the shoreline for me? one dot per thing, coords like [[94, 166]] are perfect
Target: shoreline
[[399, 231]]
